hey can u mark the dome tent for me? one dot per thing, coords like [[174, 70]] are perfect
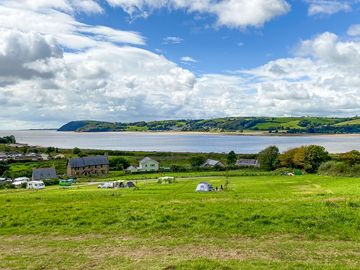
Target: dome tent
[[203, 187]]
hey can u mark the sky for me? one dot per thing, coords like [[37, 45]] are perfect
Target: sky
[[132, 60]]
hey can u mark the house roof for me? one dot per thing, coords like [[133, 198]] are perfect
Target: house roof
[[147, 159], [44, 173], [211, 162], [247, 162], [88, 161]]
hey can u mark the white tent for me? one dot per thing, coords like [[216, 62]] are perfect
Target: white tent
[[203, 187]]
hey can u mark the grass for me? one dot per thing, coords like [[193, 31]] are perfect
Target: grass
[[260, 222], [351, 122]]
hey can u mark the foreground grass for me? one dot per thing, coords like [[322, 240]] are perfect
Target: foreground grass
[[261, 222]]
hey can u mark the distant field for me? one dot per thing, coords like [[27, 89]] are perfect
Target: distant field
[[352, 122], [261, 222]]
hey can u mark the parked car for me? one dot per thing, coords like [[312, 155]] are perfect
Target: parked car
[[106, 185]]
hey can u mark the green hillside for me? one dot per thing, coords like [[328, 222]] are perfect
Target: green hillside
[[229, 124]]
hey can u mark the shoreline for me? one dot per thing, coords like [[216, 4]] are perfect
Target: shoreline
[[255, 134]]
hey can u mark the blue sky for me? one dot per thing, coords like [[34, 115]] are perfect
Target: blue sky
[[132, 60], [223, 49]]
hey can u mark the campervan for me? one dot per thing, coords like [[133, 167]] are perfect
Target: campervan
[[35, 185]]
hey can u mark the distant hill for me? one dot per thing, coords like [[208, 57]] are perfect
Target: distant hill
[[288, 125]]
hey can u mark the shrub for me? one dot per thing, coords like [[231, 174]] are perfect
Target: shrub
[[338, 168]]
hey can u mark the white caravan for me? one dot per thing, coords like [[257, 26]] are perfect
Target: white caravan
[[35, 185]]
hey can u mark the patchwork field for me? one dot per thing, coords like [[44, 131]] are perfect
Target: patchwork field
[[260, 222]]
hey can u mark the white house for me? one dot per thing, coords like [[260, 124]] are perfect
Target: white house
[[147, 165]]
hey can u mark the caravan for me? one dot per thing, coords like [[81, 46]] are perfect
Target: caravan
[[35, 185]]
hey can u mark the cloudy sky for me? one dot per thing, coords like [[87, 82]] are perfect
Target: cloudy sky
[[127, 60]]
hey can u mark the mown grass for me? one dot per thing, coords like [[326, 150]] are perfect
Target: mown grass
[[260, 222]]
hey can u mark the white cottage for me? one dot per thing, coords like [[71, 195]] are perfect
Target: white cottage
[[147, 165]]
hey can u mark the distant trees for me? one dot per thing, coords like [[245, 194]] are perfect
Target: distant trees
[[308, 158], [76, 151], [50, 150], [8, 139], [268, 158], [231, 158], [119, 163], [351, 158], [197, 161], [4, 167]]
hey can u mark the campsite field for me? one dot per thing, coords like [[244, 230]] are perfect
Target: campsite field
[[260, 222]]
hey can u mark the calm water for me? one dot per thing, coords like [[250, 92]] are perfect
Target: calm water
[[179, 142]]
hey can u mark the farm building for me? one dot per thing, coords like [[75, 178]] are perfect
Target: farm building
[[247, 163], [131, 169], [212, 163], [85, 166], [44, 174]]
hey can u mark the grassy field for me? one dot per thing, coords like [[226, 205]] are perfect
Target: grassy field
[[260, 222]]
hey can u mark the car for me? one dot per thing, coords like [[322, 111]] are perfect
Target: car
[[106, 185]]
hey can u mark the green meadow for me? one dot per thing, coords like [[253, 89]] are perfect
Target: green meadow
[[259, 222]]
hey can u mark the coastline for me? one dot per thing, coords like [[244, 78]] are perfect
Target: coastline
[[255, 134]]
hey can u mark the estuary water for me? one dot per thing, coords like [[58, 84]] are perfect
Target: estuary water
[[179, 142]]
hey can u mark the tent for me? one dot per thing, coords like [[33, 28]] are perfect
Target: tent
[[130, 184], [203, 187]]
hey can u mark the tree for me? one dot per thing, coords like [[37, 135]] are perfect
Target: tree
[[8, 139], [308, 158], [351, 158], [268, 158], [4, 168], [197, 161], [231, 158], [50, 150], [119, 163], [76, 151]]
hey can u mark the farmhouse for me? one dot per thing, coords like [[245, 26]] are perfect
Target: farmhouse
[[97, 165], [209, 163], [44, 174], [147, 165]]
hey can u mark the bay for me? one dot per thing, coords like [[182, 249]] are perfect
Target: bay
[[179, 142]]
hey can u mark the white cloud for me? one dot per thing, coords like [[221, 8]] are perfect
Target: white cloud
[[188, 59], [58, 73], [354, 30], [230, 13], [172, 40], [328, 7]]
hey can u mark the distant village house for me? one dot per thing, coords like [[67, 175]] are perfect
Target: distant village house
[[145, 165], [210, 163], [86, 166]]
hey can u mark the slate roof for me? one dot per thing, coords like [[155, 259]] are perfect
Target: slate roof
[[247, 162], [88, 161], [44, 174], [212, 163], [146, 159]]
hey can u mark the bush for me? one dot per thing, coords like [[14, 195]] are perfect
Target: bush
[[51, 182], [6, 185], [339, 168]]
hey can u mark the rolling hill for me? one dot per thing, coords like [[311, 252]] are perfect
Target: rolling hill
[[286, 125]]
